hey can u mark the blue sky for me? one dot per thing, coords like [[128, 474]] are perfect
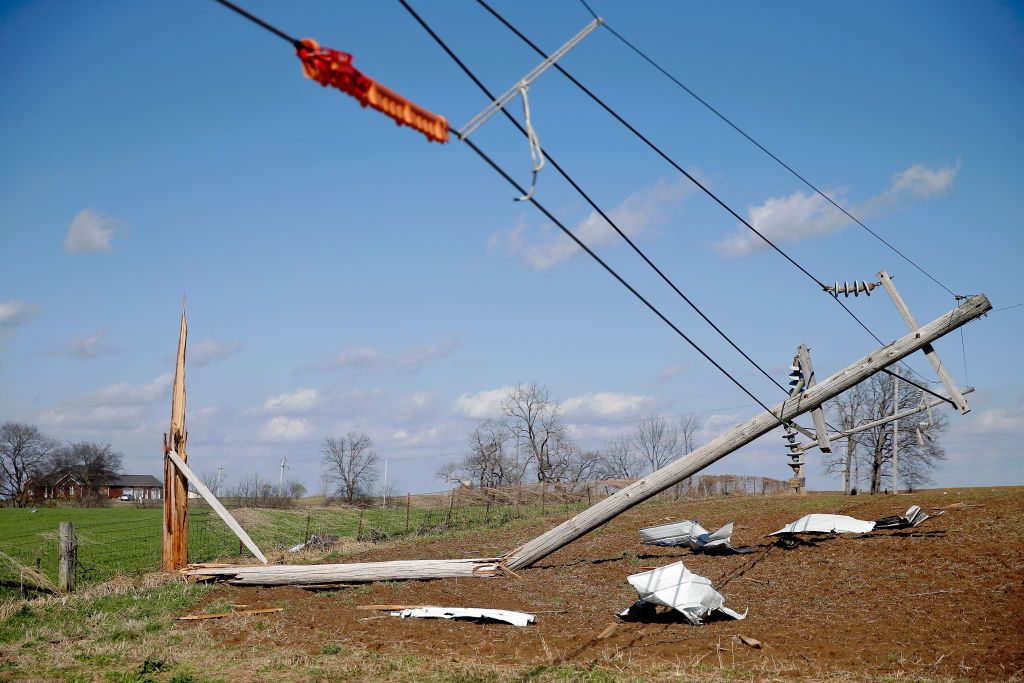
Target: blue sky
[[343, 273]]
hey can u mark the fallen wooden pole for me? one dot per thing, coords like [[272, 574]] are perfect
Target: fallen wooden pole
[[360, 572], [216, 505], [656, 482]]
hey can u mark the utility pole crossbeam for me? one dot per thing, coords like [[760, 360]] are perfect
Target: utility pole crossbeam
[[804, 354], [933, 357], [174, 549], [656, 482]]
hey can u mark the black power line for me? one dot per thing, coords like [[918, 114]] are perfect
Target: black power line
[[679, 168], [543, 210], [757, 144], [256, 20], [586, 196]]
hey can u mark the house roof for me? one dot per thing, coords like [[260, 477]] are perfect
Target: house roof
[[136, 480]]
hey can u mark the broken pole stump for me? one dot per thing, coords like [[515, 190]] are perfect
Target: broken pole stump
[[174, 548], [651, 485], [68, 557]]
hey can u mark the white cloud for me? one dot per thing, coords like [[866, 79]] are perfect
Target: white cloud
[[298, 401], [637, 213], [803, 215], [607, 404], [124, 394], [101, 417], [482, 404], [372, 359], [671, 371], [207, 351], [89, 231], [281, 428], [83, 346], [995, 420], [12, 314]]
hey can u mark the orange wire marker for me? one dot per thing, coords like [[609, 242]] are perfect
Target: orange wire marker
[[334, 68]]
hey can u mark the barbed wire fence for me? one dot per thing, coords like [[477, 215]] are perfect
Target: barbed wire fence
[[29, 562]]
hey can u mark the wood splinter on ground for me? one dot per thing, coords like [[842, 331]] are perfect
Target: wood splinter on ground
[[235, 613]]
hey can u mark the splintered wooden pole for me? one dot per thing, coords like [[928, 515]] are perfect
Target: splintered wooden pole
[[817, 415], [656, 482], [174, 553], [933, 357]]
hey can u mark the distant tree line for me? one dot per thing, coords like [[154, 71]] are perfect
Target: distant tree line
[[29, 455], [530, 441]]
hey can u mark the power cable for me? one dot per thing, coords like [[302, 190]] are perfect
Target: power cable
[[611, 271], [757, 144], [483, 88], [679, 168], [539, 206], [256, 20]]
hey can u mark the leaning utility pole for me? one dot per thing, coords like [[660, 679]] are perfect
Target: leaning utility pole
[[656, 482], [174, 549]]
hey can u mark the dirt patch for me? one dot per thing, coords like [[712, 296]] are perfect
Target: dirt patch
[[944, 600]]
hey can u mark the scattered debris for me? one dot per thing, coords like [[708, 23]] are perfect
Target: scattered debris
[[911, 518], [607, 632], [677, 587], [826, 524], [484, 615], [387, 608], [746, 640], [315, 542], [692, 534], [235, 613]]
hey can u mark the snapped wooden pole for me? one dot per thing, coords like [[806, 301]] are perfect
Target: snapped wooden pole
[[174, 550], [607, 509], [933, 357], [357, 572], [68, 557]]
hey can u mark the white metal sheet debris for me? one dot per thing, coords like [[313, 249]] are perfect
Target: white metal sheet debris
[[691, 534], [677, 587], [911, 518], [507, 616], [826, 524]]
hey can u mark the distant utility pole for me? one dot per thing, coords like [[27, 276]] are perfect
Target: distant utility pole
[[896, 431], [220, 480], [385, 483], [284, 464]]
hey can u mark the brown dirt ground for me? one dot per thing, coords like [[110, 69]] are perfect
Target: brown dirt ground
[[945, 600]]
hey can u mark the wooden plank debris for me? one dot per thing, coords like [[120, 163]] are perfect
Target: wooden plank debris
[[235, 613]]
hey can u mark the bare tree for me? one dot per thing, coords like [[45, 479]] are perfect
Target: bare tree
[[656, 441], [488, 461], [688, 426], [619, 460], [94, 464], [919, 450], [536, 422], [24, 451], [351, 464]]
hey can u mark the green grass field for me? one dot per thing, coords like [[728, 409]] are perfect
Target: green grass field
[[120, 541]]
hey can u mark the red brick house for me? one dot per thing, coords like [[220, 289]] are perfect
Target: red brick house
[[67, 486]]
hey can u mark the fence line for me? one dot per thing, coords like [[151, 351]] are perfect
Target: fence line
[[108, 549]]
